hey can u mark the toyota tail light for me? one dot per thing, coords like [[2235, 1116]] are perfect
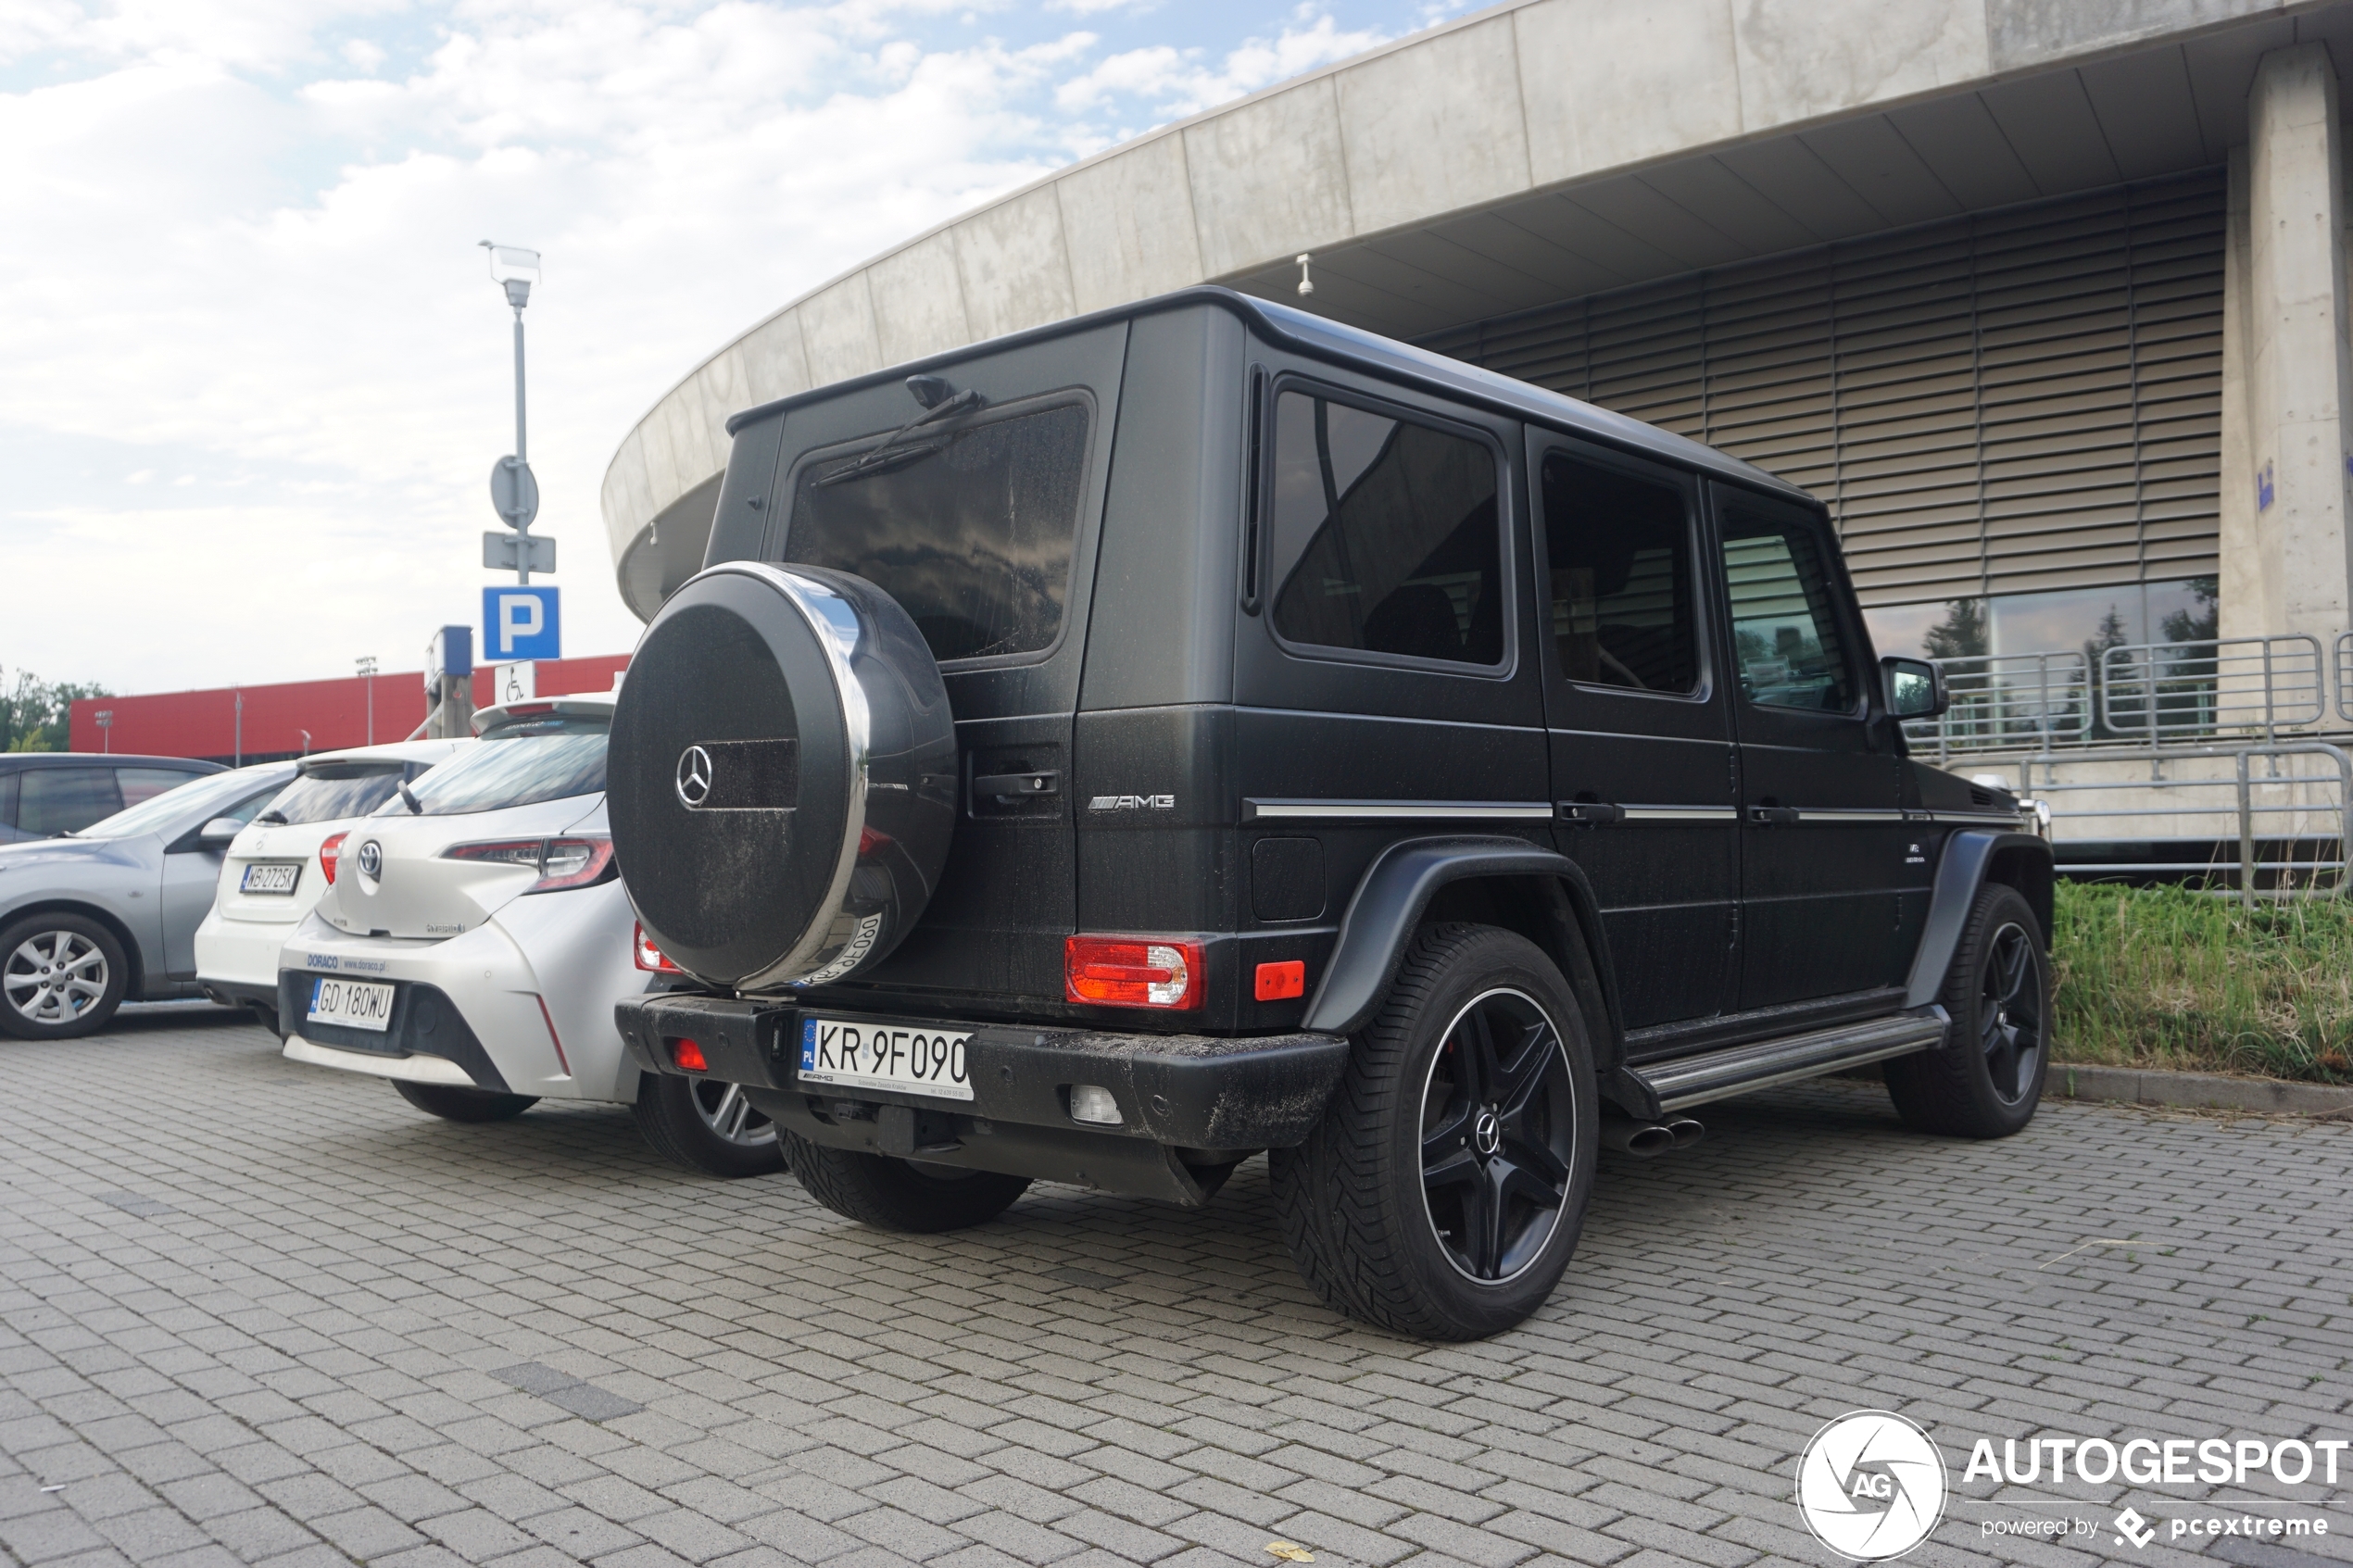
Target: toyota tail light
[[329, 853], [580, 862], [1132, 972], [650, 958]]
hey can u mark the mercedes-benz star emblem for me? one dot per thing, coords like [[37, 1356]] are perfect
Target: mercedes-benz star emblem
[[1487, 1132], [371, 860], [694, 776]]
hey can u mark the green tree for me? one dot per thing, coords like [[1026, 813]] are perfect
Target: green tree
[[1961, 635], [36, 715], [2203, 623]]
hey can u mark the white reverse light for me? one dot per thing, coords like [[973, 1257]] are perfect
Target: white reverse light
[[1092, 1102]]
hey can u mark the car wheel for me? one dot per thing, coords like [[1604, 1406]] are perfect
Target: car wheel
[[706, 1125], [900, 1194], [60, 975], [1445, 1188], [1987, 1079], [454, 1104]]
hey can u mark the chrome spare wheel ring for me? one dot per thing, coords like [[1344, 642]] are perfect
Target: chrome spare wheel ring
[[1499, 1136], [727, 1113], [54, 976]]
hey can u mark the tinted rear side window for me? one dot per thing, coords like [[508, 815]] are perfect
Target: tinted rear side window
[[1387, 536], [145, 784], [1620, 552], [65, 799], [971, 534]]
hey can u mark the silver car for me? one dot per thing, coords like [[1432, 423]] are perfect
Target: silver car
[[109, 913]]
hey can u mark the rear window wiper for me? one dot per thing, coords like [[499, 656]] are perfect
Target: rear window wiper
[[888, 454]]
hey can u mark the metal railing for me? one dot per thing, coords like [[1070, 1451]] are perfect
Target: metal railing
[[2156, 692], [2210, 690], [2254, 795], [2000, 703]]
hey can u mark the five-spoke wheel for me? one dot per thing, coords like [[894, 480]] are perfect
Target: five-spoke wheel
[[1444, 1189], [1987, 1079], [1498, 1132]]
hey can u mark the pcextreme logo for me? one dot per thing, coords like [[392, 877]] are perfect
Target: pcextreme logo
[[1870, 1486]]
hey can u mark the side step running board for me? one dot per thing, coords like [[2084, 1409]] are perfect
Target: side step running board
[[1720, 1075]]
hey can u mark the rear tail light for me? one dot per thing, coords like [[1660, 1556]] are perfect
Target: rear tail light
[[561, 862], [1132, 972], [648, 956], [329, 853]]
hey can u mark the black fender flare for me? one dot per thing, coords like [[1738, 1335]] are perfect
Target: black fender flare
[[1968, 855], [1395, 891]]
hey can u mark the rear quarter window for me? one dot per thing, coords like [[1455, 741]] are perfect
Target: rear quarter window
[[971, 533]]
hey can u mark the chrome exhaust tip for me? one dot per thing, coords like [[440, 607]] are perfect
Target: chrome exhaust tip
[[1685, 1131], [1645, 1140]]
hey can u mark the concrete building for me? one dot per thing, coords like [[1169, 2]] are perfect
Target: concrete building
[[2046, 298]]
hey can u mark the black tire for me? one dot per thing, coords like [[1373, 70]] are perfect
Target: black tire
[[897, 1195], [1987, 1080], [706, 1125], [61, 976], [1382, 1206], [453, 1104]]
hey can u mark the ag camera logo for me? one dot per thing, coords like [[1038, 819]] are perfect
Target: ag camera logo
[[1870, 1486]]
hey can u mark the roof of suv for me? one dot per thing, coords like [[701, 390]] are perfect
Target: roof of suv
[[1324, 339]]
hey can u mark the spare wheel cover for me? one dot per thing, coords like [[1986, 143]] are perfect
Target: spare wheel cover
[[781, 775]]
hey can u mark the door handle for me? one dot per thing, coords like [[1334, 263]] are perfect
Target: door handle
[[1018, 784], [1773, 816], [1592, 813]]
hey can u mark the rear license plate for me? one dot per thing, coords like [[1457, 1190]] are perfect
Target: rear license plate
[[354, 1004], [280, 878], [885, 1056]]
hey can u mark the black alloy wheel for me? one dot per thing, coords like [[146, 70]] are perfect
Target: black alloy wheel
[[2009, 1026], [1498, 1130], [1987, 1078], [1442, 1193]]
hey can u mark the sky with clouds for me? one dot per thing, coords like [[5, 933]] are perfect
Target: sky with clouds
[[257, 373]]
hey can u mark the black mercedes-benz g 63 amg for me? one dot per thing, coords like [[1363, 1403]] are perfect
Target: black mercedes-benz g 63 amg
[[1199, 728]]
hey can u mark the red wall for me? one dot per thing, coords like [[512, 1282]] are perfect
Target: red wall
[[336, 713]]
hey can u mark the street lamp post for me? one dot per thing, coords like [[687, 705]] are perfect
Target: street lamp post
[[105, 716], [366, 664], [513, 490], [240, 728]]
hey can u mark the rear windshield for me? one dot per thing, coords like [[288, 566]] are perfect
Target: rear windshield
[[971, 533], [547, 756], [346, 790]]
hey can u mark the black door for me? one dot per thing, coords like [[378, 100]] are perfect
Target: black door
[[1382, 676], [1640, 732], [1822, 838]]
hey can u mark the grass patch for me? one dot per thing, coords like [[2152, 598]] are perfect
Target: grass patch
[[2169, 977]]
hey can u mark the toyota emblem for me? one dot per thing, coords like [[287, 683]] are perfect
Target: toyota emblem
[[371, 860], [694, 776]]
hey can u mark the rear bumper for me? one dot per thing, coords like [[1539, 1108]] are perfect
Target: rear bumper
[[1190, 1105]]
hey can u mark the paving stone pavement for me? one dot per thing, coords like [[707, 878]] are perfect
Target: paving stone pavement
[[252, 1311]]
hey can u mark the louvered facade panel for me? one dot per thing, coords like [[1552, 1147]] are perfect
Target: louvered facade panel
[[2009, 402]]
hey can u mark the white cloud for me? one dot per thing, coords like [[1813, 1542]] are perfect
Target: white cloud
[[1178, 82], [237, 244]]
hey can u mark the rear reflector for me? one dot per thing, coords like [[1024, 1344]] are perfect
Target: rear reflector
[[1129, 972], [689, 1056], [1278, 981], [329, 853]]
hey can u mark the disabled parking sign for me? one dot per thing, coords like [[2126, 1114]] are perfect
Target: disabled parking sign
[[522, 623]]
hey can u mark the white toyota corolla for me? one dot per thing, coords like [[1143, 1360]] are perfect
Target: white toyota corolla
[[273, 874], [475, 936]]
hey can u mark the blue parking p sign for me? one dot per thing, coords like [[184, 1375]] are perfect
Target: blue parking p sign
[[522, 623]]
